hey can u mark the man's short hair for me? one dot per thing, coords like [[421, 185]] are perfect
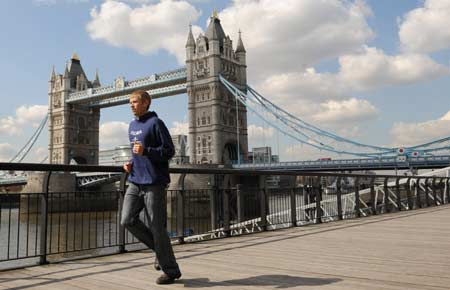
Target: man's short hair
[[142, 95]]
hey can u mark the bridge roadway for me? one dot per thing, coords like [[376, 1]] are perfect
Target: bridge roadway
[[383, 163], [404, 250]]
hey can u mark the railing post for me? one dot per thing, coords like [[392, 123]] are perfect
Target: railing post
[[372, 196], [441, 190], [213, 203], [357, 201], [418, 200], [397, 194], [293, 207], [386, 195], [408, 193], [319, 212], [44, 220], [226, 211], [433, 188], [263, 202], [448, 190], [240, 203], [123, 183], [180, 211], [427, 199], [339, 198]]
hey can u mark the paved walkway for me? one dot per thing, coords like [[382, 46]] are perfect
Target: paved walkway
[[407, 250]]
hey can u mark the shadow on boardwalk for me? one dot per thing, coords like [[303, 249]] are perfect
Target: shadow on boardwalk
[[277, 281]]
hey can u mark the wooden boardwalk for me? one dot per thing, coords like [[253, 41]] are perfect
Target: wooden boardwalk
[[406, 250]]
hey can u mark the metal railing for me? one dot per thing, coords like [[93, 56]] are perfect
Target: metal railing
[[54, 224]]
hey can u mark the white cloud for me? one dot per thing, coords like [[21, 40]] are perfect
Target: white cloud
[[296, 34], [375, 69], [146, 29], [408, 134], [32, 114], [6, 152], [358, 72], [423, 29], [179, 128], [257, 133], [25, 116], [352, 110], [113, 134], [8, 126]]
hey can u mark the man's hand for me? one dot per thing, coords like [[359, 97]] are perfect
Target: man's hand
[[138, 148], [127, 167]]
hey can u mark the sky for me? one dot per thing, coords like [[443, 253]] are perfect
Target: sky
[[375, 71]]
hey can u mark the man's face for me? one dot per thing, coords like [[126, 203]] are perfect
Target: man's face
[[138, 106]]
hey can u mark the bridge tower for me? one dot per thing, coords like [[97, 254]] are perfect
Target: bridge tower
[[73, 129], [216, 133]]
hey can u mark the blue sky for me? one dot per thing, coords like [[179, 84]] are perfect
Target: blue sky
[[376, 71]]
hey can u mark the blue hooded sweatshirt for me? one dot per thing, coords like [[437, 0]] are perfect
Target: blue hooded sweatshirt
[[153, 166]]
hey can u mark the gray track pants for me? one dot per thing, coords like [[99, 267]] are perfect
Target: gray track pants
[[151, 199]]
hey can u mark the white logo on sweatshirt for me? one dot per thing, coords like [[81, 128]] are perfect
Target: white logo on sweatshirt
[[135, 133]]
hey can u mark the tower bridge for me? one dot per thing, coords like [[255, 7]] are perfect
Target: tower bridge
[[215, 80], [75, 102]]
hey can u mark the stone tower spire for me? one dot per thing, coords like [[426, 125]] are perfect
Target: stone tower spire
[[241, 56], [190, 41], [96, 82], [240, 45], [53, 75], [66, 71]]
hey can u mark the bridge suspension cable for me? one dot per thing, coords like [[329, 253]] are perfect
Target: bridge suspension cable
[[311, 135], [23, 152]]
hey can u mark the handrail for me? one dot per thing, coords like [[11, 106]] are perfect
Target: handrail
[[183, 170]]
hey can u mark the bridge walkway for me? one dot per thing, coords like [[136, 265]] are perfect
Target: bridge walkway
[[405, 250]]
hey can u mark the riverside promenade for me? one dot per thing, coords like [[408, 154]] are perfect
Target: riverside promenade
[[403, 250]]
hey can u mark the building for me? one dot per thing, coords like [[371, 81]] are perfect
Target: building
[[115, 157], [263, 155], [121, 154], [181, 148]]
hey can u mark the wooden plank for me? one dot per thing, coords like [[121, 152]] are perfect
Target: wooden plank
[[406, 250]]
